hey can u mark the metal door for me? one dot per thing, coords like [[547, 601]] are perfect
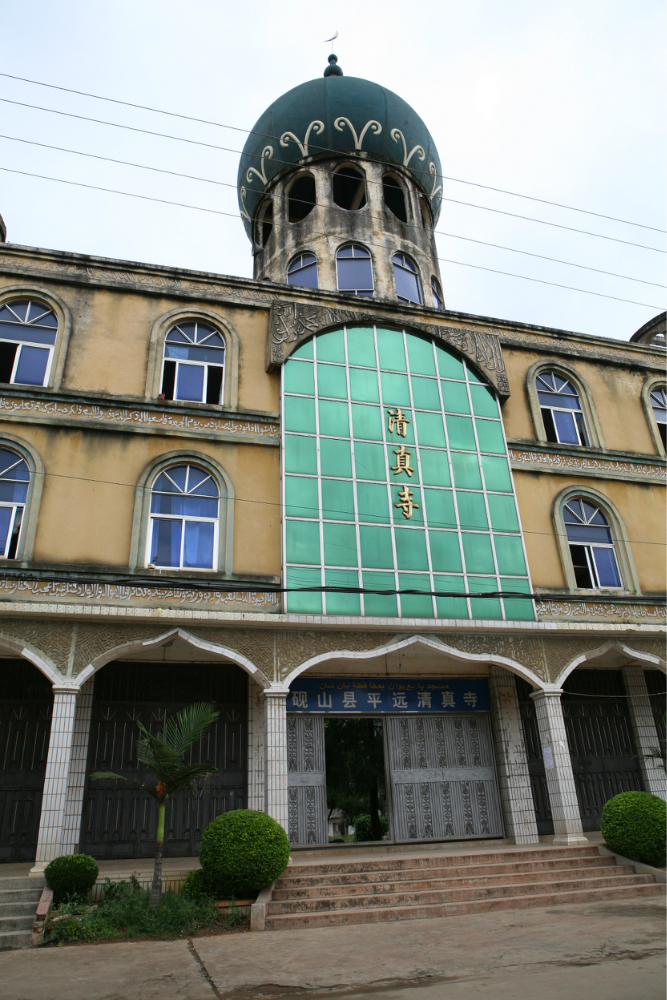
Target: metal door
[[538, 780], [121, 821], [655, 683], [442, 778], [26, 707], [306, 781]]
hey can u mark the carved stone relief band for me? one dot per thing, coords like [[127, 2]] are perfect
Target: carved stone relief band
[[567, 463], [54, 411], [292, 322], [600, 609]]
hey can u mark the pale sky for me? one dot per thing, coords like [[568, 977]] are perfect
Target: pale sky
[[562, 100]]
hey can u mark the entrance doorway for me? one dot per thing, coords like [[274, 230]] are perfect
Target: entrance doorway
[[356, 792]]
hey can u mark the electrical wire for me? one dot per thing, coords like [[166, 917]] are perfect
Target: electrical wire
[[207, 121], [233, 215], [226, 149], [209, 180]]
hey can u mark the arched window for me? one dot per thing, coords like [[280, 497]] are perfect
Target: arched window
[[406, 278], [27, 335], [659, 407], [562, 413], [427, 218], [14, 481], [438, 300], [301, 199], [264, 223], [302, 270], [591, 545], [394, 197], [349, 188], [183, 531], [194, 363], [354, 270]]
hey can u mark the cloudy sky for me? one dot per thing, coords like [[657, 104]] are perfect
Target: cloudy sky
[[562, 100]]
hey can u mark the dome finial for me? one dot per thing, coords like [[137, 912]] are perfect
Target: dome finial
[[333, 69]]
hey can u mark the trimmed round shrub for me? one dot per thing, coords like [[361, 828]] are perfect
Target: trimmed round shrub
[[243, 851], [634, 824], [71, 876], [196, 885]]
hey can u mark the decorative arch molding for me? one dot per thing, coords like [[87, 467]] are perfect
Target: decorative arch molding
[[585, 395], [139, 645], [404, 643], [658, 381], [161, 328], [292, 323], [62, 311], [33, 497], [621, 542], [36, 657], [613, 646], [142, 502]]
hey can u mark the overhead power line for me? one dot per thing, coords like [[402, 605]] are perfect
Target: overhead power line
[[235, 128], [226, 149], [209, 180], [233, 215]]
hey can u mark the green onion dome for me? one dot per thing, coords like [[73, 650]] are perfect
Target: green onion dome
[[341, 114]]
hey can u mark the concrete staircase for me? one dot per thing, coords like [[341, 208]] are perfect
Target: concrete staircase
[[19, 897], [390, 888]]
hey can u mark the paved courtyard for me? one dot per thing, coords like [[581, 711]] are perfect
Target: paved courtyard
[[608, 951]]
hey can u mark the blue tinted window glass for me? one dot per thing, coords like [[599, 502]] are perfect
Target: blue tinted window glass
[[23, 333], [172, 503], [565, 427], [304, 277], [354, 273], [13, 492], [32, 366], [190, 382], [198, 544], [407, 284], [5, 521], [183, 352], [605, 564], [166, 543]]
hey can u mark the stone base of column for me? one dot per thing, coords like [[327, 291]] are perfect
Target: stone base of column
[[37, 871], [569, 839]]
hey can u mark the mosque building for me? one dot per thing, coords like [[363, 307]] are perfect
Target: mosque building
[[343, 513]]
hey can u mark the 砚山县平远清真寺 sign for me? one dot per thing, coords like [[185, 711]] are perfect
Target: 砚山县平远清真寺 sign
[[385, 694]]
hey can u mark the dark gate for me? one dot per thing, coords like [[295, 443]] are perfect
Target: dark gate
[[119, 820], [26, 705], [599, 736], [655, 683]]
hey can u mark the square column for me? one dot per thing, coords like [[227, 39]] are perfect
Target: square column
[[275, 803], [558, 768], [511, 760], [643, 729], [256, 747], [77, 770], [54, 797]]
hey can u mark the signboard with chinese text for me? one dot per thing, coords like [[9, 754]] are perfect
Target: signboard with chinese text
[[351, 695]]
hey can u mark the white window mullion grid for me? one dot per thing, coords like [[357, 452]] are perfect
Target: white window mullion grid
[[10, 529], [452, 484], [420, 489], [355, 499], [387, 470]]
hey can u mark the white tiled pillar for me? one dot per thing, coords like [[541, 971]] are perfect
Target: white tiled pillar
[[54, 797], [558, 768], [77, 770], [643, 729], [511, 759], [256, 747], [276, 755]]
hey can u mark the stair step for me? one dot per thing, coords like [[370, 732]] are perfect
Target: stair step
[[17, 923], [21, 882], [19, 896], [471, 879], [422, 911], [15, 939], [20, 908], [289, 881]]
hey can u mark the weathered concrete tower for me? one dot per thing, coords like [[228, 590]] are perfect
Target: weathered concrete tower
[[340, 188]]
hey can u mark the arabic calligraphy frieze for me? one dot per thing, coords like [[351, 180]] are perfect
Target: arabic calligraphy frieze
[[48, 409], [593, 609], [585, 464], [575, 346]]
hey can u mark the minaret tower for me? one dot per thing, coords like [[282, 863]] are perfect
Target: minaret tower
[[340, 188]]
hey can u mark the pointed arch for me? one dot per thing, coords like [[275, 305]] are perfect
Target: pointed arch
[[35, 656], [613, 645]]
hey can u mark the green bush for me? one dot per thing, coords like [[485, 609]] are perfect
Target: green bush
[[362, 827], [71, 876], [196, 885], [634, 825], [243, 851]]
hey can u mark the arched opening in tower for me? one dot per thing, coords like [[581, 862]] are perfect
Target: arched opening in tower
[[394, 197], [301, 198], [349, 188]]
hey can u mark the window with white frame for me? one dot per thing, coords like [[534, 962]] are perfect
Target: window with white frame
[[14, 482], [438, 300], [406, 277], [302, 270], [184, 519], [354, 270], [659, 407], [591, 545], [27, 336], [194, 364], [562, 413]]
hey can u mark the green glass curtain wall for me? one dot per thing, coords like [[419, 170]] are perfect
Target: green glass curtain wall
[[396, 476]]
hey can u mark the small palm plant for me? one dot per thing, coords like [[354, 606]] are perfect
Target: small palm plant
[[163, 754]]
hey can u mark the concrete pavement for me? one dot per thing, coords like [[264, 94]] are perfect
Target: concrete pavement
[[607, 951]]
